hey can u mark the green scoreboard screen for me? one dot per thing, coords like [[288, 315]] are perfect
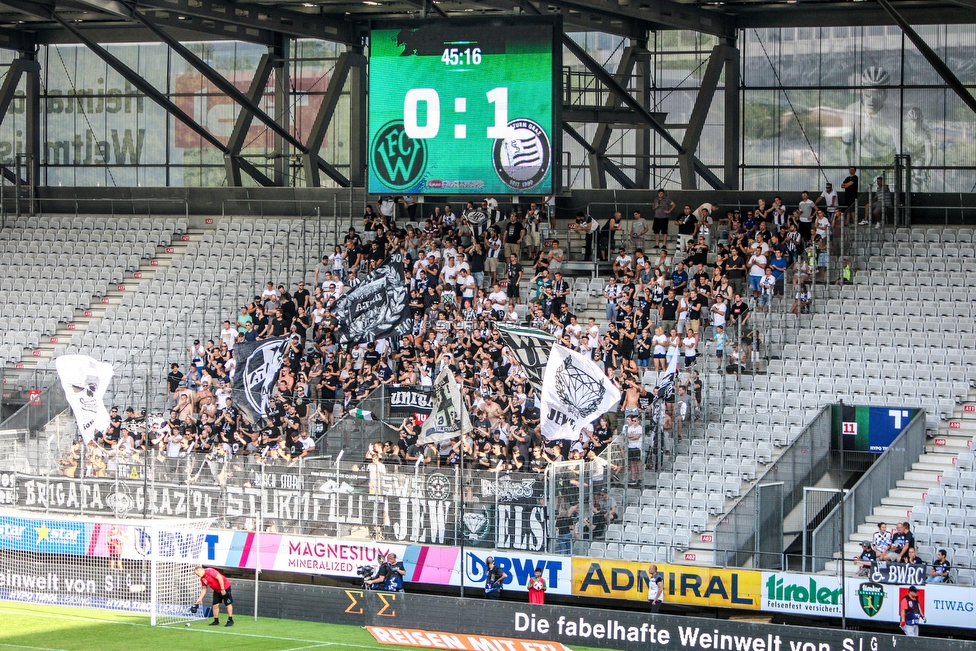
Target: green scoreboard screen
[[463, 106]]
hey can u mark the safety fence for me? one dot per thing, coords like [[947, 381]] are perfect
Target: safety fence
[[369, 500], [752, 530]]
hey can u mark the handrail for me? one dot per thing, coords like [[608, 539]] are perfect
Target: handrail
[[875, 484], [112, 201], [800, 462]]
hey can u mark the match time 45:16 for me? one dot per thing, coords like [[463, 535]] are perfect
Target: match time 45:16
[[454, 56]]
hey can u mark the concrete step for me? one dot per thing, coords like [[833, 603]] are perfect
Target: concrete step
[[899, 496], [949, 442], [921, 478], [865, 529], [933, 463], [889, 514], [695, 556], [959, 426], [967, 409]]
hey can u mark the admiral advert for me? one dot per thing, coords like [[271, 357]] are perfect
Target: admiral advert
[[683, 584]]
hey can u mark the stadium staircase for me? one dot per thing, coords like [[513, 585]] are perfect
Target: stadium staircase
[[102, 306], [865, 354], [937, 496]]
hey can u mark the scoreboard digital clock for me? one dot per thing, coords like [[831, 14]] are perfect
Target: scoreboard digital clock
[[463, 106]]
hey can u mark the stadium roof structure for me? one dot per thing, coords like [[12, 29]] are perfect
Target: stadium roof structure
[[26, 23]]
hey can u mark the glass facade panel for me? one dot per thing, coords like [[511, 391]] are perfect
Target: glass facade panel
[[97, 129], [812, 102]]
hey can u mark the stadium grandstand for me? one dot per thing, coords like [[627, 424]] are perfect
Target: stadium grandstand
[[262, 276]]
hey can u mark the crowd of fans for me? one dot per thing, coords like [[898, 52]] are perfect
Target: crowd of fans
[[465, 272]]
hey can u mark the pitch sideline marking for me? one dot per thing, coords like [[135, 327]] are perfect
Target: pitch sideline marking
[[41, 648], [313, 643]]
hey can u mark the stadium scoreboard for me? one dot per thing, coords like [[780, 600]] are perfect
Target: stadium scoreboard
[[464, 106]]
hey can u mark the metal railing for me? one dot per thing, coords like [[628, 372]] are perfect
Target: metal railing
[[61, 205], [739, 534], [830, 535], [33, 416], [374, 501]]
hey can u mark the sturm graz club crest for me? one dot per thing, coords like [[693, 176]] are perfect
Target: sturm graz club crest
[[580, 393], [398, 160], [257, 374], [522, 158], [438, 487]]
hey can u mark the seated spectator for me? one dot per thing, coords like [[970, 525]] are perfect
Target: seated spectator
[[901, 541], [865, 559], [939, 572]]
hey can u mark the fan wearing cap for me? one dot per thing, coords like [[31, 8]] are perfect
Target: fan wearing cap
[[911, 613], [865, 558]]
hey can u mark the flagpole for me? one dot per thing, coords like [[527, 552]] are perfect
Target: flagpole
[[465, 418], [461, 511]]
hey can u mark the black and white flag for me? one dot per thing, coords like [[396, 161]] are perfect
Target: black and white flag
[[531, 348], [449, 418], [259, 363], [575, 392], [378, 308], [475, 217], [84, 381], [665, 390]]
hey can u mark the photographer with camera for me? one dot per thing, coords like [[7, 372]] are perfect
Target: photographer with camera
[[493, 579], [390, 575]]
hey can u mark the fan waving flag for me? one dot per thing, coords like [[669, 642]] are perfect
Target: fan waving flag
[[258, 366], [378, 308], [449, 418], [84, 381], [665, 390], [575, 392], [362, 414], [531, 348]]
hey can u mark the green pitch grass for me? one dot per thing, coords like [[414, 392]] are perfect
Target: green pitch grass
[[28, 627]]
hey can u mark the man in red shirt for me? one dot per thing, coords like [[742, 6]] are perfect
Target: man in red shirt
[[220, 584]]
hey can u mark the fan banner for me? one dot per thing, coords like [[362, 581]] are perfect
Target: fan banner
[[531, 348], [85, 381], [574, 394], [448, 419], [259, 365], [376, 309], [409, 400], [665, 390], [475, 217]]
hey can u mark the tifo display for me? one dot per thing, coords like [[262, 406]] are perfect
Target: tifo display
[[462, 107]]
